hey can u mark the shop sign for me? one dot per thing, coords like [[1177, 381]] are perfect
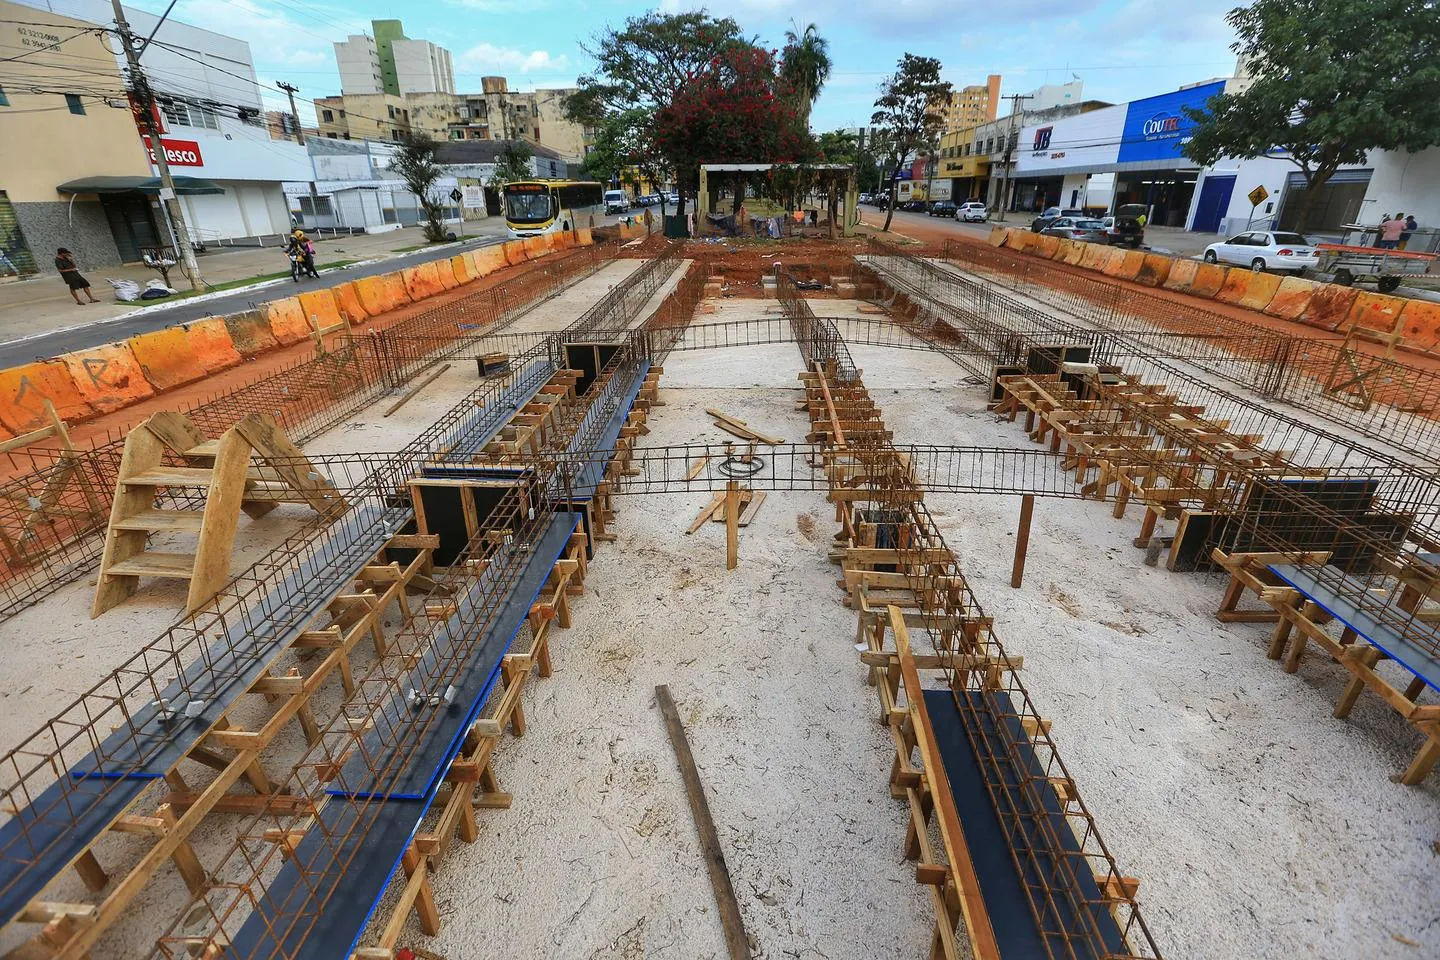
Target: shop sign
[[178, 153], [1157, 128]]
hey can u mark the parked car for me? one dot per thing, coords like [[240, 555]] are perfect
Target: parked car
[[914, 206], [1076, 228], [1044, 220], [1128, 227], [943, 208], [972, 211], [1262, 250]]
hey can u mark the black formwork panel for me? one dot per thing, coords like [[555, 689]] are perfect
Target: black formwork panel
[[589, 359], [456, 502]]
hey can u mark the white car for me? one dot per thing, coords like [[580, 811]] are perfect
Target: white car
[[1262, 250], [972, 211]]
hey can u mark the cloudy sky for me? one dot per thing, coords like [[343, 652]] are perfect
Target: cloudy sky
[[1121, 49]]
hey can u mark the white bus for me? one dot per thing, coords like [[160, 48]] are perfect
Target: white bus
[[534, 207]]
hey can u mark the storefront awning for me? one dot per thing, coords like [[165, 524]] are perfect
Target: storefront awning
[[184, 186]]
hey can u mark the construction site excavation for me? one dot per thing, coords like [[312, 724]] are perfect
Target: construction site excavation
[[597, 595]]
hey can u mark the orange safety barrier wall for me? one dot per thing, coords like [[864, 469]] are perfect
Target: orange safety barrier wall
[[383, 293], [1374, 311], [211, 340], [319, 307], [1153, 270], [536, 247], [462, 267], [24, 390], [1420, 322], [1261, 290], [584, 238], [422, 281], [998, 236], [1209, 278], [1130, 265], [107, 377], [1114, 262], [445, 274], [167, 358], [1044, 246], [1094, 257], [1182, 274], [250, 332], [1291, 299], [1062, 249], [347, 301], [514, 252], [490, 259], [1236, 285], [1329, 306], [287, 320]]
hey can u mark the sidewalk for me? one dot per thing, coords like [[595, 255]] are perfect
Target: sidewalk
[[43, 304]]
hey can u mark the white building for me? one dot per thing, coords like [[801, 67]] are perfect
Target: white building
[[358, 59], [356, 189], [423, 67], [212, 123]]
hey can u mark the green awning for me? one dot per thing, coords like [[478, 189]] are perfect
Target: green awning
[[184, 186]]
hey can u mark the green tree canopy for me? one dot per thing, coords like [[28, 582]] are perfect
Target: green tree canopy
[[805, 66], [1333, 79], [415, 163], [626, 142], [513, 163], [905, 113]]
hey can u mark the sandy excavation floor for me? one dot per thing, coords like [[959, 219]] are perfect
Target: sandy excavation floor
[[1259, 825], [598, 856]]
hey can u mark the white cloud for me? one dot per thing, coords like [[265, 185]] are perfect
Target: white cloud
[[488, 57]]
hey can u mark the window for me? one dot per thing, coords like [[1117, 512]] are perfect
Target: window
[[327, 116], [72, 100], [989, 144], [391, 110], [4, 100], [457, 134], [342, 114], [394, 134], [183, 114], [333, 136]]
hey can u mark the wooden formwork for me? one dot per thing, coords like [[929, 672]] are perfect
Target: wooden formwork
[[231, 754]]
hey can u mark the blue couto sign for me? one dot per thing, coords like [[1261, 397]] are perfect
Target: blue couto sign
[[1156, 128]]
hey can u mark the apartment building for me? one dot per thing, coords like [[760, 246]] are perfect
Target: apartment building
[[390, 62]]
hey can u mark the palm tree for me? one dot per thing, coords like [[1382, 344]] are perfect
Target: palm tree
[[806, 66]]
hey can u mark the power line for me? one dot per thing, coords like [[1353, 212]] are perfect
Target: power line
[[53, 46]]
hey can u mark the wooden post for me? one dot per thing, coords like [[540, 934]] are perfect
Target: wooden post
[[732, 525], [1022, 540]]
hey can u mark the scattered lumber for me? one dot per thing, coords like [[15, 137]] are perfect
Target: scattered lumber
[[740, 428]]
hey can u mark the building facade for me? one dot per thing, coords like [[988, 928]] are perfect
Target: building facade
[[971, 106], [61, 96], [390, 62]]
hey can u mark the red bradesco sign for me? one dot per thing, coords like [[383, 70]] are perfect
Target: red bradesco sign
[[178, 153]]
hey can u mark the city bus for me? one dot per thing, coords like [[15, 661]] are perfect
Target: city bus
[[544, 206]]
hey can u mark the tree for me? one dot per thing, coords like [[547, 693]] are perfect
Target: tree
[[626, 144], [1332, 80], [415, 163], [645, 64], [805, 66], [905, 114], [735, 110], [511, 164], [839, 146]]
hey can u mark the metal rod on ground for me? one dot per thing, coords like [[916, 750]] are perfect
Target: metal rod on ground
[[1022, 539], [411, 393], [725, 900]]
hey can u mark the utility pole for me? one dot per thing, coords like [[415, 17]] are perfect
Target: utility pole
[[169, 200], [290, 91], [1010, 145]]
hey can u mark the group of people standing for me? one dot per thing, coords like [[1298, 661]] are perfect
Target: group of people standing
[[1395, 231]]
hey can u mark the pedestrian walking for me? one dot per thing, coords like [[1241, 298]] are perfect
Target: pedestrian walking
[[1411, 225], [70, 273], [1390, 232]]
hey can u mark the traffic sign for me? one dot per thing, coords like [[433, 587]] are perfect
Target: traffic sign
[[1258, 196], [456, 195]]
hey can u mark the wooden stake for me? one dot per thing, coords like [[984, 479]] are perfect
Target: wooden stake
[[732, 525], [1022, 540], [414, 391], [729, 908]]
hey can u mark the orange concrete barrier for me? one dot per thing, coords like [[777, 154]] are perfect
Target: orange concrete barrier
[[107, 377], [167, 358], [382, 294], [1074, 253], [1291, 299], [1329, 306], [1131, 263], [1114, 262], [251, 333], [347, 301], [1043, 246], [461, 267], [490, 259], [1374, 311], [514, 252], [584, 238], [1420, 322], [318, 306], [1209, 278], [1262, 290], [1094, 257], [1181, 275], [535, 247], [422, 281], [998, 236], [210, 339], [1154, 269], [24, 390], [565, 240], [1236, 285], [1062, 249], [287, 320]]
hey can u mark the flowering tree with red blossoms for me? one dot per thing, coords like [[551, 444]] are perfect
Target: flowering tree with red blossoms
[[735, 109]]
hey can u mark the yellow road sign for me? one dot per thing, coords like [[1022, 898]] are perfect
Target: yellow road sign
[[1258, 196]]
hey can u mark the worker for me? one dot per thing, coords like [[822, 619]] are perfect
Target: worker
[[1390, 232]]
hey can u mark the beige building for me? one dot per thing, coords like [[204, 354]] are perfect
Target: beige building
[[65, 120], [971, 106], [495, 113]]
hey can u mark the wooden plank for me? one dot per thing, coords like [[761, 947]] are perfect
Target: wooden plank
[[705, 513], [722, 416], [151, 564], [729, 908], [222, 518], [696, 467], [752, 507], [143, 452], [414, 391], [732, 525]]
